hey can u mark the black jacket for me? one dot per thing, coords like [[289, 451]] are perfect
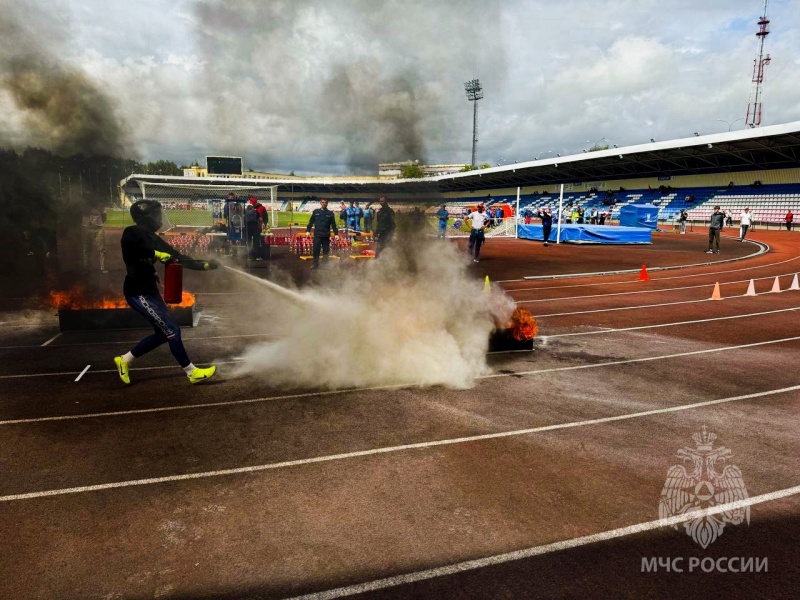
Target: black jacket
[[717, 220], [322, 220], [138, 252], [384, 220]]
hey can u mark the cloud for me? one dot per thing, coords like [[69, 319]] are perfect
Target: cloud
[[338, 86]]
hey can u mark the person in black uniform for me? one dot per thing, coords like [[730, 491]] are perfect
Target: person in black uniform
[[384, 225], [547, 223], [141, 248], [322, 220]]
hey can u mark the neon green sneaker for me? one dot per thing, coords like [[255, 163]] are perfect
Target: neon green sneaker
[[122, 369], [199, 374]]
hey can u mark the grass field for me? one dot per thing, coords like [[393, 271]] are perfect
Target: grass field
[[201, 218]]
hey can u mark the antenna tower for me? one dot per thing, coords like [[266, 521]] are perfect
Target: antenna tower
[[760, 63], [474, 93]]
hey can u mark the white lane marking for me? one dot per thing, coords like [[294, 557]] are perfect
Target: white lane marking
[[78, 378], [600, 310], [47, 343], [232, 403], [98, 371], [480, 563], [133, 342], [601, 274], [657, 291], [385, 449], [628, 361], [617, 330]]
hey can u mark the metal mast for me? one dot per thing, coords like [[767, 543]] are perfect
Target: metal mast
[[753, 118], [474, 93]]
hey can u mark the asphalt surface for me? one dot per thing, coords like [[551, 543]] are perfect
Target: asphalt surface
[[541, 481]]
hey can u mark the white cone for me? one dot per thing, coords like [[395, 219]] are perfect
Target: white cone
[[751, 289], [795, 285], [776, 287]]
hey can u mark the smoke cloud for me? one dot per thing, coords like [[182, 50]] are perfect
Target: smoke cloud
[[58, 107], [413, 316], [355, 82]]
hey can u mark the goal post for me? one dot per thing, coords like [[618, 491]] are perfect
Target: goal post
[[194, 205]]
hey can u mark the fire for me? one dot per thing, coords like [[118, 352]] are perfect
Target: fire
[[523, 325], [78, 298]]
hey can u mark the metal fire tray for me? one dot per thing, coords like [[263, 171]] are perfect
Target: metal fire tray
[[502, 340]]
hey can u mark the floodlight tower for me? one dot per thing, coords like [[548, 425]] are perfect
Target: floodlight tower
[[753, 118], [474, 93]]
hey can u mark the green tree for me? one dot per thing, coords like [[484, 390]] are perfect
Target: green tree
[[485, 166], [466, 168], [598, 148], [162, 167], [412, 171]]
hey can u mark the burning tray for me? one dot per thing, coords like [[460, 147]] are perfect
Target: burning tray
[[70, 319], [503, 340]]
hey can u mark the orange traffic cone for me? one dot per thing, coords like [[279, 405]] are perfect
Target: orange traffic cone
[[776, 287], [794, 285], [751, 289], [643, 275], [715, 295]]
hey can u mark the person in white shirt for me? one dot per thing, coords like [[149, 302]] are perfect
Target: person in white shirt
[[746, 219], [478, 220]]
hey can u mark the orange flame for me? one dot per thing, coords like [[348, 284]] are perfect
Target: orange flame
[[79, 298], [523, 325]]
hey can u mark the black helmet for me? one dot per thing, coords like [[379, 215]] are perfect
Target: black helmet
[[147, 214]]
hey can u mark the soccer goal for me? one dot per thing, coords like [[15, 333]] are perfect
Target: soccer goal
[[195, 205]]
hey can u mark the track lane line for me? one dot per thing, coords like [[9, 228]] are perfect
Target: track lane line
[[385, 449], [480, 563], [232, 403]]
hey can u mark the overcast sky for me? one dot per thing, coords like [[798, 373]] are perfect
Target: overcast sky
[[336, 86]]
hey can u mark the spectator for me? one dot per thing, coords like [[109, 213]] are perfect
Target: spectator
[[682, 218], [745, 219], [322, 220], [369, 213], [603, 216], [478, 221], [93, 236], [593, 216], [789, 218], [714, 229], [254, 217], [384, 225], [141, 247], [547, 223], [343, 214], [359, 216], [352, 217], [443, 216], [729, 218]]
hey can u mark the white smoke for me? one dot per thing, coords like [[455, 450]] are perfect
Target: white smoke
[[414, 316]]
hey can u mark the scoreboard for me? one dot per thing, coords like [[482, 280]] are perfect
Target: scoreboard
[[224, 165]]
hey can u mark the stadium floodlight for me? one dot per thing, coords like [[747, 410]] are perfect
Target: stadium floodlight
[[474, 93]]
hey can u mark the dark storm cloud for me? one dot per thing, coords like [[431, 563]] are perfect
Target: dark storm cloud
[[369, 81], [60, 107]]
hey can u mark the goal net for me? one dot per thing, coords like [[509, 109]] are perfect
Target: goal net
[[193, 205]]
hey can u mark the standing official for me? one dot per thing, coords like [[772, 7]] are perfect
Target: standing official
[[714, 230], [384, 225], [547, 223], [476, 235], [322, 220], [444, 216]]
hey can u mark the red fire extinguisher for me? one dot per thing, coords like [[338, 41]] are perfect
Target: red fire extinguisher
[[173, 283]]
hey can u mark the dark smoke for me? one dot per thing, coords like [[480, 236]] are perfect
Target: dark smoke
[[352, 82], [63, 153]]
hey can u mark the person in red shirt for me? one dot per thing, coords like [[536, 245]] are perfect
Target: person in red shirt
[[789, 218]]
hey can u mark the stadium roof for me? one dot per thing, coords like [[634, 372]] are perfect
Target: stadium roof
[[764, 148]]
